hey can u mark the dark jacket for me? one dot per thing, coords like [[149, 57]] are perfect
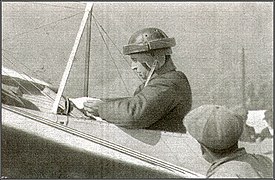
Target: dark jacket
[[241, 164], [161, 105]]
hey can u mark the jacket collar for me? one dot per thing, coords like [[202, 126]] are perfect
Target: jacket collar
[[167, 67], [237, 153]]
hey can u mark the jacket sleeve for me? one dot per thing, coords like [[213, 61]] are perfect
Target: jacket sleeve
[[141, 110]]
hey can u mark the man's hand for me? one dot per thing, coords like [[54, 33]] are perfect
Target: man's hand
[[91, 106], [88, 105]]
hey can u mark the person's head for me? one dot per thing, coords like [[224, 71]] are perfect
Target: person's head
[[148, 48], [216, 128]]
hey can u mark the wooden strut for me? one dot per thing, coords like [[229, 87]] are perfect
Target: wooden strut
[[71, 58], [151, 160], [243, 80]]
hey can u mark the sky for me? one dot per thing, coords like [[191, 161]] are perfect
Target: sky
[[37, 38]]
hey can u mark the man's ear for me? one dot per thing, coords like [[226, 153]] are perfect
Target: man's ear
[[161, 61]]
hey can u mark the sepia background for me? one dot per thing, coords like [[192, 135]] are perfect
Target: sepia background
[[37, 39]]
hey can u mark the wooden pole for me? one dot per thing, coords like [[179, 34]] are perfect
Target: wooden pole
[[243, 80], [87, 59], [71, 58]]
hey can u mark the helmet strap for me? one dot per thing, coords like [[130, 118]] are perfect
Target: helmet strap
[[153, 67]]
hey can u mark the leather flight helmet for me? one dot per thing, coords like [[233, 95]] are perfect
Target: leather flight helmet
[[148, 39]]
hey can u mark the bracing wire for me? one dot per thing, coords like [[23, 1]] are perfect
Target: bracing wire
[[111, 40], [33, 84], [13, 63], [59, 6], [18, 82], [39, 27], [45, 94], [115, 45], [112, 59], [30, 70], [9, 52]]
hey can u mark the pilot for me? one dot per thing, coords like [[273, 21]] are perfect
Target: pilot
[[218, 130], [162, 100]]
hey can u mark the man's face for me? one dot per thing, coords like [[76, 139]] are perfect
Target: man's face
[[141, 68]]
